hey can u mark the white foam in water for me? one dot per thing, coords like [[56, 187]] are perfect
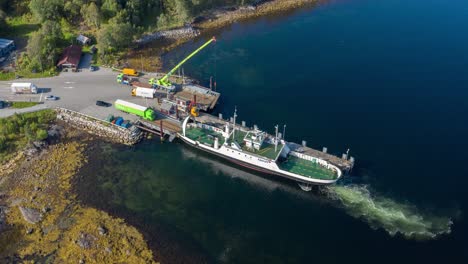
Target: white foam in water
[[385, 213]]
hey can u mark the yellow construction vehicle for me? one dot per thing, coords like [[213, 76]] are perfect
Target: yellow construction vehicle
[[193, 107], [194, 111]]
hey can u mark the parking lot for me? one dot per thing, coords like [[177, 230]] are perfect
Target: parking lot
[[78, 91]]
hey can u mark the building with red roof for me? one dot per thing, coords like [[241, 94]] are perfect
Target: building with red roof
[[70, 58]]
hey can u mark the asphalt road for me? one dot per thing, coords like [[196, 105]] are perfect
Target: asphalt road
[[77, 91], [11, 111]]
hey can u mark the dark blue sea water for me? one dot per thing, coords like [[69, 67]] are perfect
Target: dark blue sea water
[[387, 79]]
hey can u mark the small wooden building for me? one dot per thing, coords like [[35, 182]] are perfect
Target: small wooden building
[[70, 58]]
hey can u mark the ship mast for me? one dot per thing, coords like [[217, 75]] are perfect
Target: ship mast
[[284, 131], [234, 122], [276, 137]]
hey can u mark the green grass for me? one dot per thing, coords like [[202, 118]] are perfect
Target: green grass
[[23, 104], [21, 26], [6, 76]]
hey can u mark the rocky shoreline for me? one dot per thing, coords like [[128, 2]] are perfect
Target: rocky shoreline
[[149, 58], [223, 17], [172, 34], [99, 127], [41, 219]]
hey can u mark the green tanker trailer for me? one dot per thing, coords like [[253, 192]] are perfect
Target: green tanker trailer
[[145, 112]]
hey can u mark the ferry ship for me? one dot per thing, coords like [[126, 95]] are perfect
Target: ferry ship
[[257, 150]]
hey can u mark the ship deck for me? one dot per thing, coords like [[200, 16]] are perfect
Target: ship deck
[[307, 168], [203, 136], [206, 136], [267, 151]]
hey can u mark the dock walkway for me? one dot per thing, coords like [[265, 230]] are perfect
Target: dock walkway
[[169, 127]]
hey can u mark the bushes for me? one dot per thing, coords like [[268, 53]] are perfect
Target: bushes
[[16, 131], [3, 144], [41, 134]]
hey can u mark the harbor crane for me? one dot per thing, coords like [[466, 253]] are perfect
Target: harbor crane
[[164, 81]]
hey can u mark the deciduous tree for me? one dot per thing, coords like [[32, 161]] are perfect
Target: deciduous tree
[[44, 10], [3, 24], [91, 15]]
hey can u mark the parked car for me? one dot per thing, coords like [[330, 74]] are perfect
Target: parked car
[[102, 103], [51, 98]]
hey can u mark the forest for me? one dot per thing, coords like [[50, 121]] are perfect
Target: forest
[[51, 25]]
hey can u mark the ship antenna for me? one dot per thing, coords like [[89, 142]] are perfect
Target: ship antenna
[[284, 131], [234, 122], [276, 137]]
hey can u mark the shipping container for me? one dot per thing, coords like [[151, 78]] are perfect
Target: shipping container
[[143, 92], [125, 124], [118, 121], [137, 84]]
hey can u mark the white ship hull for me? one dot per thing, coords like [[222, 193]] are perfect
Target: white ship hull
[[257, 163]]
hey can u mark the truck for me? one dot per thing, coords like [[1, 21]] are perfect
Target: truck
[[129, 71], [23, 88], [141, 85], [143, 92], [123, 79], [142, 111]]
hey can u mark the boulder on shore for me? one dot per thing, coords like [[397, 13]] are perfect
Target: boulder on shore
[[3, 224], [31, 215]]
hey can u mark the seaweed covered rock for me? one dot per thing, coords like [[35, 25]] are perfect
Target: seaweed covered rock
[[86, 241], [45, 223]]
